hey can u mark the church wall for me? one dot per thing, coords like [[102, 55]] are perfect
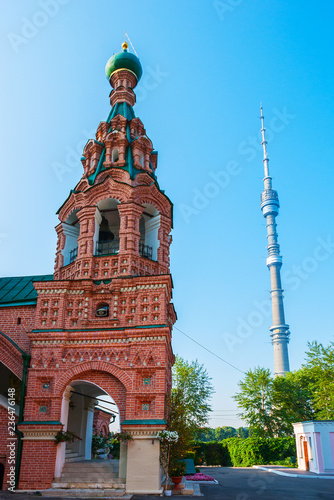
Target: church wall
[[44, 454], [16, 328]]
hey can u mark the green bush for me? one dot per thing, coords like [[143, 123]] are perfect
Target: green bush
[[246, 452], [211, 453]]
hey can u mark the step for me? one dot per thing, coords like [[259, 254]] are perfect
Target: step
[[90, 465], [92, 478], [87, 493], [74, 459], [69, 453], [111, 485], [75, 472], [79, 468]]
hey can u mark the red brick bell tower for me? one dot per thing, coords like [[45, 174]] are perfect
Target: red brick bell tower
[[106, 318]]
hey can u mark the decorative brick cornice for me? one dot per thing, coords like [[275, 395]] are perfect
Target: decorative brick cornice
[[99, 341], [41, 435]]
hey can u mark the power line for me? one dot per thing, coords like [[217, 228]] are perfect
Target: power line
[[214, 354]]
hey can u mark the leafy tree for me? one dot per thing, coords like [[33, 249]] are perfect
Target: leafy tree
[[206, 434], [319, 368], [188, 405], [192, 383], [225, 432], [176, 421], [243, 432], [270, 406], [255, 400], [292, 400]]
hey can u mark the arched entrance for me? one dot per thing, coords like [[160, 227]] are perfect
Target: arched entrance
[[84, 405], [84, 399]]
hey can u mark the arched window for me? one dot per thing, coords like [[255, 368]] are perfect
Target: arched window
[[71, 229], [141, 159], [148, 227], [107, 226], [115, 155]]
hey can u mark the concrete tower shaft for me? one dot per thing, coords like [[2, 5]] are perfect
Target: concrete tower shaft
[[270, 209]]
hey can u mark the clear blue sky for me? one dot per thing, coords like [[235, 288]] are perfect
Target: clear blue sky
[[207, 66]]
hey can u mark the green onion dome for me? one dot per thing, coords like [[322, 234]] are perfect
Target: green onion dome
[[124, 60]]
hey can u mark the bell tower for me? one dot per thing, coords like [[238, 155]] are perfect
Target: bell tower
[[107, 316]]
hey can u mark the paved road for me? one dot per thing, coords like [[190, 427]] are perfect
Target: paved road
[[244, 484], [252, 484]]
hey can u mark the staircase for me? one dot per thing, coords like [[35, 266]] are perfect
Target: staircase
[[72, 456], [88, 479]]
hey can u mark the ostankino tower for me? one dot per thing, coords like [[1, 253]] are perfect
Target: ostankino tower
[[270, 208]]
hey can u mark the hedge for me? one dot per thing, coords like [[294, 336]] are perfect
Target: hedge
[[238, 452]]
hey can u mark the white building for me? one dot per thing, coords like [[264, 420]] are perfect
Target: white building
[[315, 446]]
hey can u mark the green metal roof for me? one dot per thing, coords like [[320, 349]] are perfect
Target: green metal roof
[[19, 290], [144, 422], [124, 60], [121, 108]]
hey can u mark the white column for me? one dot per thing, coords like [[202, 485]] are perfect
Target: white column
[[89, 431], [61, 447], [122, 461]]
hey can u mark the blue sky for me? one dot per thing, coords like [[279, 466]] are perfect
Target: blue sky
[[207, 66]]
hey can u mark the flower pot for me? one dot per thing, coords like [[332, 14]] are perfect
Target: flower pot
[[168, 493], [177, 481]]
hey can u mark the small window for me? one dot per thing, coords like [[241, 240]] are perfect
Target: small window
[[310, 448], [115, 155], [102, 310], [141, 159]]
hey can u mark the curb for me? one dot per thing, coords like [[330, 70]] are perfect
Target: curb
[[286, 474]]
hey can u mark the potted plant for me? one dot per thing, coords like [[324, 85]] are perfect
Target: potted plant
[[65, 437], [176, 472], [122, 437], [101, 445]]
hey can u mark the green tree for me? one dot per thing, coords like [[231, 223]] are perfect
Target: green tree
[[270, 406], [192, 382], [225, 432], [292, 400], [319, 369], [255, 400], [176, 421], [188, 406], [243, 432], [206, 434]]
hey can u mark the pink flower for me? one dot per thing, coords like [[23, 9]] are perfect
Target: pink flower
[[199, 477]]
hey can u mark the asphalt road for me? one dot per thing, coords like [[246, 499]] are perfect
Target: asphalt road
[[253, 484], [243, 484]]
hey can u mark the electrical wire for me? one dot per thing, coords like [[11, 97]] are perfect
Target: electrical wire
[[214, 354]]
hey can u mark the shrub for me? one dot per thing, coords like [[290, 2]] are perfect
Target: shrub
[[211, 453], [246, 452]]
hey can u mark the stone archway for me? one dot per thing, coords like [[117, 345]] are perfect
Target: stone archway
[[77, 411]]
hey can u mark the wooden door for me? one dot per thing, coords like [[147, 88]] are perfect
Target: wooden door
[[305, 449]]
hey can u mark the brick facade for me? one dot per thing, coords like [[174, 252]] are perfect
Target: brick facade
[[106, 317]]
